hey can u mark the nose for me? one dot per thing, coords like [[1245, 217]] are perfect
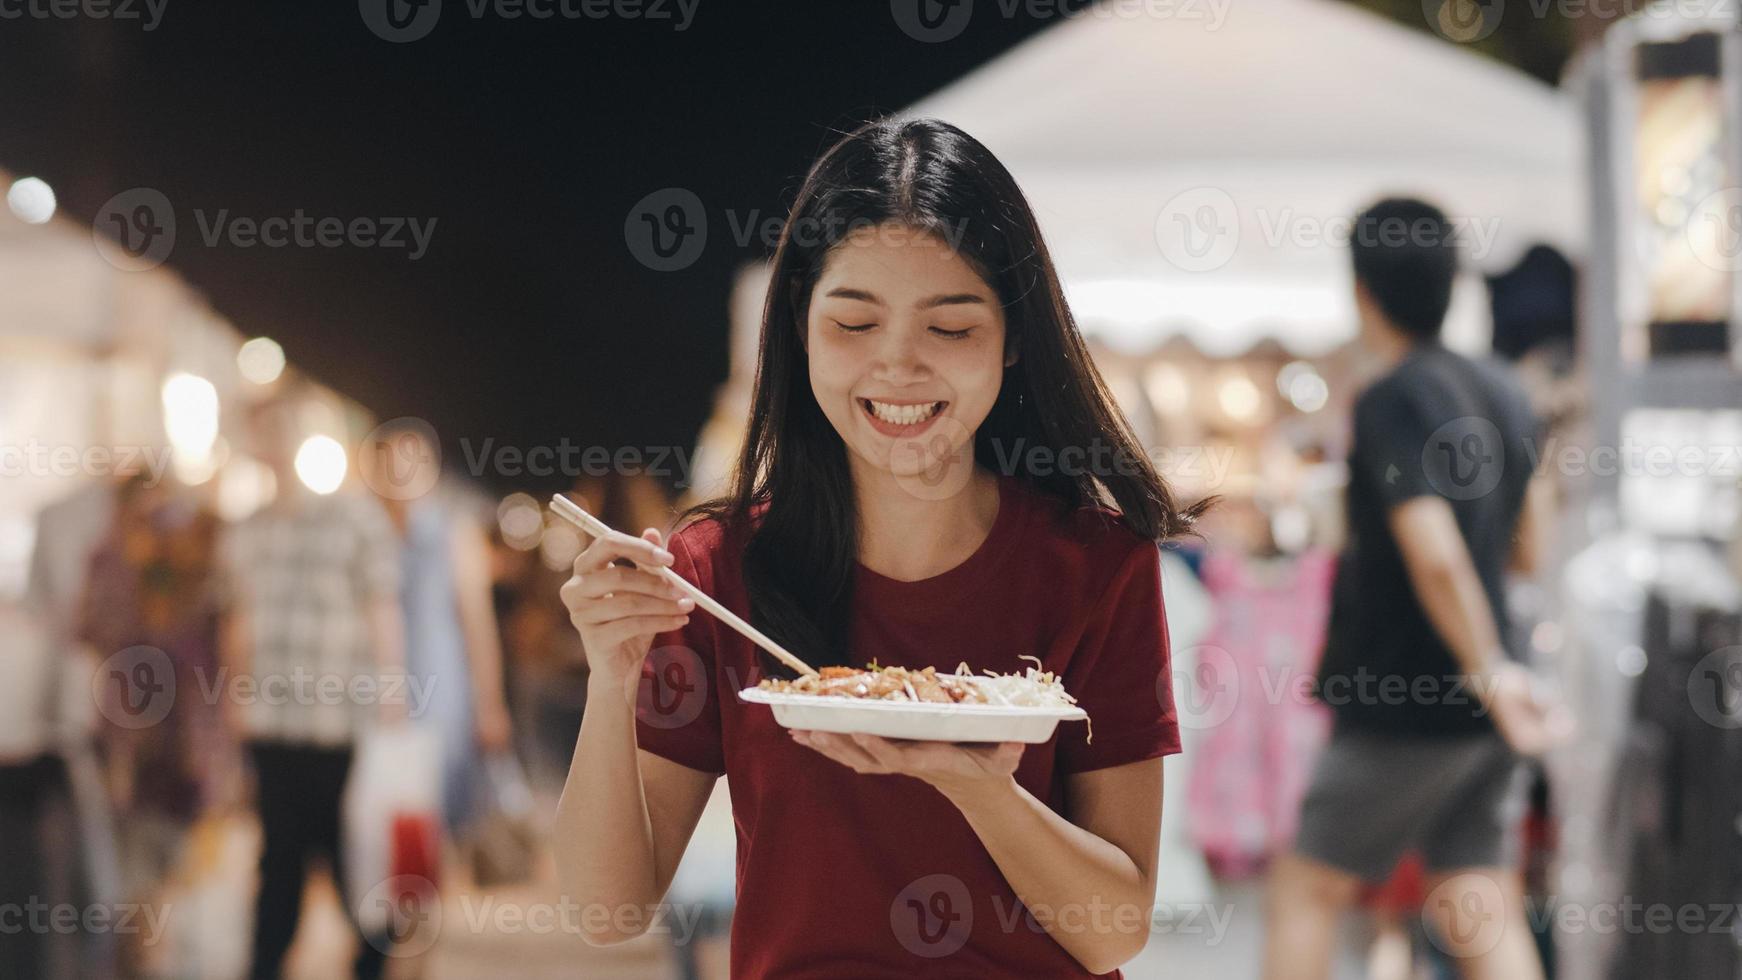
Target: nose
[[899, 358]]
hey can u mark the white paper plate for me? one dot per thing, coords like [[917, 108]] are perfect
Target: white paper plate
[[905, 719]]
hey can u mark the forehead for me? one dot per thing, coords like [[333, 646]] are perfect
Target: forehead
[[898, 261]]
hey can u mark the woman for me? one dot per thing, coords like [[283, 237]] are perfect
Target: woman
[[920, 485], [451, 635]]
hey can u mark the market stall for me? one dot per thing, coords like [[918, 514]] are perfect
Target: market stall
[[1647, 632]]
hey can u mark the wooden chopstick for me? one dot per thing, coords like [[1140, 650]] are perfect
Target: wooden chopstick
[[569, 510]]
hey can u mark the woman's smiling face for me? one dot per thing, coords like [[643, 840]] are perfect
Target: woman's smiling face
[[906, 347]]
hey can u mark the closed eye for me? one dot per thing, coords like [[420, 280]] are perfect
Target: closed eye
[[854, 327], [952, 334]]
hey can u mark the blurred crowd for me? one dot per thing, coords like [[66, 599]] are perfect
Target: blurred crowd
[[181, 677]]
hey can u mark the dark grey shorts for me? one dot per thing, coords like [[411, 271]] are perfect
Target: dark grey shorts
[[1457, 800]]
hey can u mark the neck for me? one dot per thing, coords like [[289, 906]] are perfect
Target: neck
[[398, 511], [1393, 345], [907, 537]]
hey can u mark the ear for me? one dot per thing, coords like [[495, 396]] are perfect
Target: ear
[[1012, 353]]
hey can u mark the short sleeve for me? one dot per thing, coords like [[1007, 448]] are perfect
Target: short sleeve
[[377, 560], [677, 706], [1122, 676], [1391, 438]]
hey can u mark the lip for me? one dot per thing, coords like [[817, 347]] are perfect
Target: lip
[[891, 429]]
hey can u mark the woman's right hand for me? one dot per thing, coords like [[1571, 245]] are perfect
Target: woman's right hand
[[619, 608]]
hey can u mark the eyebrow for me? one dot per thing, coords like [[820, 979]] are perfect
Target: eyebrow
[[946, 299]]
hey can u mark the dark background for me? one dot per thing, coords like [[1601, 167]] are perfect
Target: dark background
[[528, 320]]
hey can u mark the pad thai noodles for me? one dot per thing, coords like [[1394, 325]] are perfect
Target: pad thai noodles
[[1035, 688]]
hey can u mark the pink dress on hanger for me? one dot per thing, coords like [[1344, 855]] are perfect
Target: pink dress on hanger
[[1264, 730]]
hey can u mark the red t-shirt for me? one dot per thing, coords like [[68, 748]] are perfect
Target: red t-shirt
[[848, 875]]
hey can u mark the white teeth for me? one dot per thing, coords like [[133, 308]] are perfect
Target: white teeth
[[903, 414]]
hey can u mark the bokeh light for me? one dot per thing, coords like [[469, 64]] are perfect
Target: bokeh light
[[1303, 386], [521, 521], [559, 545], [31, 200], [321, 464], [245, 485], [1239, 398], [190, 421], [261, 360]]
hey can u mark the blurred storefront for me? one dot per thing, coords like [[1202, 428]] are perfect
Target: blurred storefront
[[116, 372], [112, 368], [1650, 605]]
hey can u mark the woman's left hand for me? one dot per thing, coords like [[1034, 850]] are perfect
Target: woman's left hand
[[951, 767]]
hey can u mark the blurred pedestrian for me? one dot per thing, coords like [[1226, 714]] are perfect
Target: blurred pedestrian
[[313, 607], [452, 645], [150, 585], [1432, 713], [55, 821]]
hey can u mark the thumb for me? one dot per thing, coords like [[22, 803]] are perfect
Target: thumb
[[652, 534]]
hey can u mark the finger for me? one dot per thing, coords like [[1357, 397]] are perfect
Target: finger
[[883, 752], [617, 545], [618, 578], [845, 751], [620, 630], [581, 592], [625, 605]]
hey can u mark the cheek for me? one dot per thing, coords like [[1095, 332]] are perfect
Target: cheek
[[978, 372], [831, 363]]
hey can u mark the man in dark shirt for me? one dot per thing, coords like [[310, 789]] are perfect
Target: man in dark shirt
[[1431, 713]]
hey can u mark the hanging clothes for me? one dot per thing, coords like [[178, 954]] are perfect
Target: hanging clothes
[[1677, 802], [1262, 727]]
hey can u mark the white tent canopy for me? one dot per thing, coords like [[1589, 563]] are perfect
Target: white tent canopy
[[1195, 176], [54, 286]]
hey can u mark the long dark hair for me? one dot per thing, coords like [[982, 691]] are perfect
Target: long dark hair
[[800, 557]]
